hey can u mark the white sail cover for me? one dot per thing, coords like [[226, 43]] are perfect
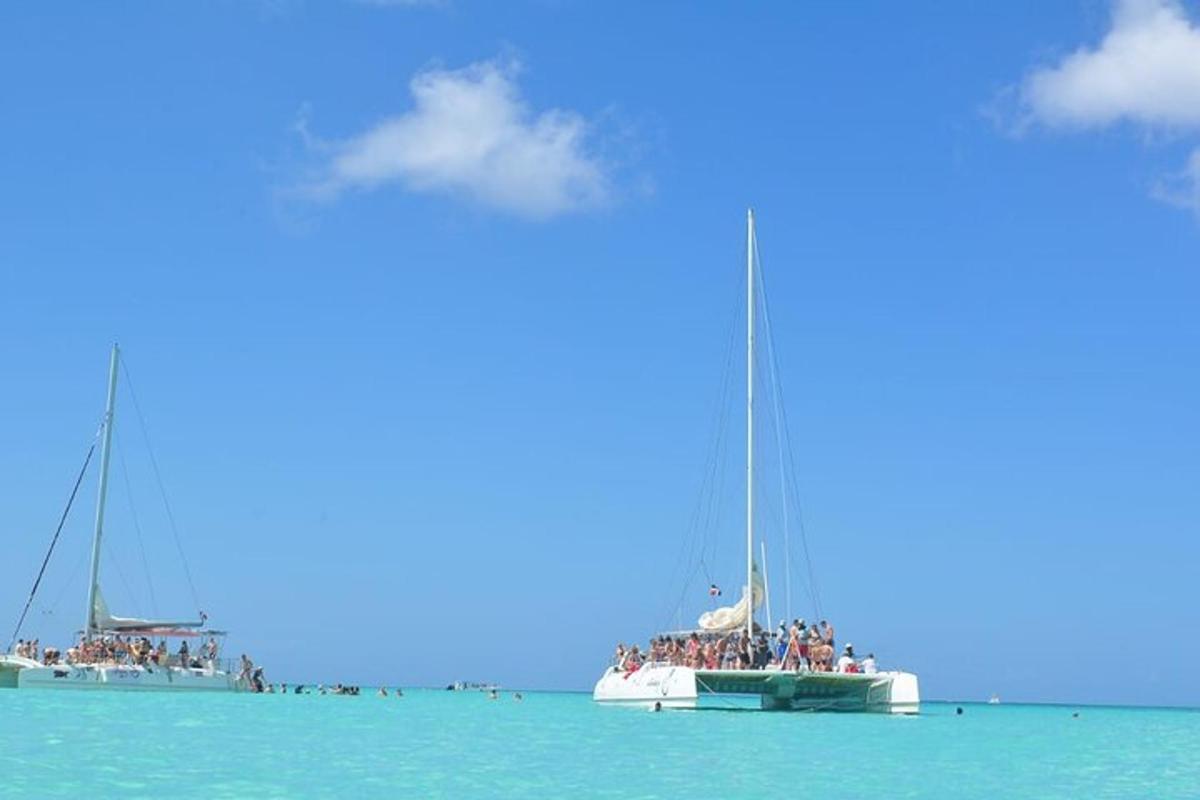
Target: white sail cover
[[102, 620], [729, 618]]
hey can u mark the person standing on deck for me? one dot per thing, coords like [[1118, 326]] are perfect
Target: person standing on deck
[[846, 662], [827, 633], [210, 652]]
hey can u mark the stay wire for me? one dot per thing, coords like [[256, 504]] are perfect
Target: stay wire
[[708, 501], [57, 532], [161, 487], [137, 528], [129, 593], [700, 533], [813, 589], [52, 609]]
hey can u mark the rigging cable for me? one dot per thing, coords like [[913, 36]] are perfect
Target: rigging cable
[[133, 599], [814, 592], [161, 488], [774, 381], [57, 531], [708, 503], [137, 528], [52, 609], [706, 514]]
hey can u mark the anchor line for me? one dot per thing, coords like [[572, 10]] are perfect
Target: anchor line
[[711, 691]]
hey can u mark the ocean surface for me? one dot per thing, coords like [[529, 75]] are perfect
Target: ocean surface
[[431, 744]]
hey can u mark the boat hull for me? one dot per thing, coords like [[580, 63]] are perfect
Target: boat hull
[[683, 687], [674, 687], [22, 673]]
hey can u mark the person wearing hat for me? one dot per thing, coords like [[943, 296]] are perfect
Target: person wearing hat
[[846, 662]]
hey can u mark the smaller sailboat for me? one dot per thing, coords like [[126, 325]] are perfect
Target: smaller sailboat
[[113, 652]]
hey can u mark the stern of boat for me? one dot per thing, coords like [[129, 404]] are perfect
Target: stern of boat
[[10, 669], [904, 694], [674, 687], [882, 693]]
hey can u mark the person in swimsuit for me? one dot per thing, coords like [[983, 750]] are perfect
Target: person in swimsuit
[[827, 633], [693, 651]]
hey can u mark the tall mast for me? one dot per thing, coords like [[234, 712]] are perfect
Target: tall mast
[[750, 424], [102, 493]]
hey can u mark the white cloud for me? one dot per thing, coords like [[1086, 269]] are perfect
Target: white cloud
[[1144, 72], [470, 133], [1183, 188]]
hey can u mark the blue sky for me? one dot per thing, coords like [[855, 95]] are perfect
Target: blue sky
[[427, 306]]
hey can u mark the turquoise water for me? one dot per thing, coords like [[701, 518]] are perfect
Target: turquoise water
[[433, 744]]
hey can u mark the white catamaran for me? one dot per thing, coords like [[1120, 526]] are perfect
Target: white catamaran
[[676, 686], [125, 672]]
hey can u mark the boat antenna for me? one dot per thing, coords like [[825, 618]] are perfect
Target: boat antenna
[[102, 491], [749, 424]]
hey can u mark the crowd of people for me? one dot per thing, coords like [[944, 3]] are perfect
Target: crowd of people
[[258, 685], [140, 651], [121, 650], [798, 647]]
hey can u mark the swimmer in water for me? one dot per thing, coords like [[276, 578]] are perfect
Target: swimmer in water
[[657, 706], [382, 692], [517, 696], [958, 711], [494, 695]]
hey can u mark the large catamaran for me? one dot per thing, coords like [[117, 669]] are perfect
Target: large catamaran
[[171, 673], [676, 686]]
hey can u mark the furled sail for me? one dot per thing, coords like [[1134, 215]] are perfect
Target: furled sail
[[102, 620], [733, 617]]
